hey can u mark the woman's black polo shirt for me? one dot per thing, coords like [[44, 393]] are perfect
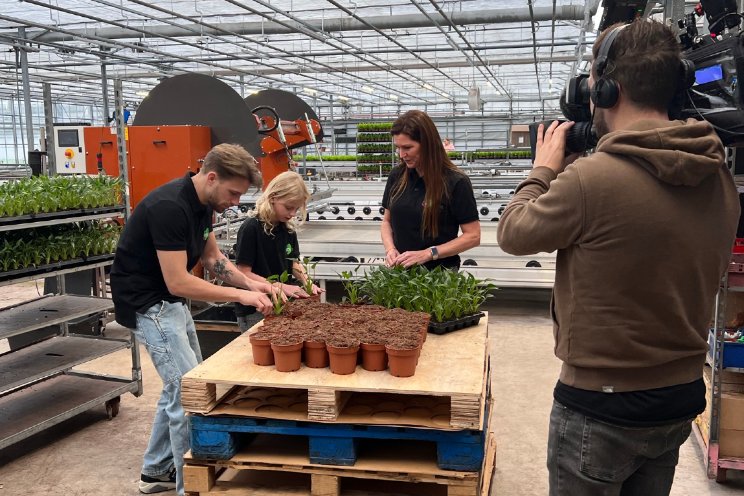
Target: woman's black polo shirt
[[406, 212], [169, 218]]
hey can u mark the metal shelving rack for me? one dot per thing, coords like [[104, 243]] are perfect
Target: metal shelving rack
[[38, 387], [717, 465]]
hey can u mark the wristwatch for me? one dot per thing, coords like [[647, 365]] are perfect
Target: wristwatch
[[434, 253]]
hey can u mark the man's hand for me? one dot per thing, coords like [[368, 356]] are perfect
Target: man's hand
[[270, 289], [261, 301], [550, 149], [390, 257], [411, 258]]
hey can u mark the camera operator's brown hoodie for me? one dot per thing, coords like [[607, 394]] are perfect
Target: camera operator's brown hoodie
[[644, 229]]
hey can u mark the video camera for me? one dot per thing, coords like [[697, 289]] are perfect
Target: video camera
[[715, 95]]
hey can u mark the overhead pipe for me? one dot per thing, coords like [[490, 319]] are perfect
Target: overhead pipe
[[408, 66], [491, 16]]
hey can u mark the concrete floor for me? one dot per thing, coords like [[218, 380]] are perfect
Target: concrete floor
[[91, 456]]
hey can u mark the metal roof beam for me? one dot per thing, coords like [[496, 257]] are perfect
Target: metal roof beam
[[491, 16], [372, 68]]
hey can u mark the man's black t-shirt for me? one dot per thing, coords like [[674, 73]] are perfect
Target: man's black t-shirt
[[266, 254], [650, 408], [169, 218], [406, 212]]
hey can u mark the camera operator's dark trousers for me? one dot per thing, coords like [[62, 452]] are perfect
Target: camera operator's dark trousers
[[587, 457]]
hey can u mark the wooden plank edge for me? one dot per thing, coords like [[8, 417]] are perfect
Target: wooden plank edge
[[470, 479], [489, 465]]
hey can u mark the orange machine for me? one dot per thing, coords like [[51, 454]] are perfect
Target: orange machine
[[155, 154], [279, 140]]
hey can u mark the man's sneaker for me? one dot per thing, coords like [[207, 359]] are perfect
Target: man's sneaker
[[165, 482]]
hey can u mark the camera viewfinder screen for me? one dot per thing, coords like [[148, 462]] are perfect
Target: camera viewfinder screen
[[709, 74]]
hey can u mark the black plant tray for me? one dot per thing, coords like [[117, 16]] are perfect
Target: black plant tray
[[53, 267], [455, 325], [71, 214]]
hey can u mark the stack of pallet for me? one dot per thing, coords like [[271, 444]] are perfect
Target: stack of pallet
[[261, 432]]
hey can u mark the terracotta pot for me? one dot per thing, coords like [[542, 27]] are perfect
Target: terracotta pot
[[374, 357], [343, 361], [288, 356], [402, 363], [425, 331], [316, 355], [262, 354]]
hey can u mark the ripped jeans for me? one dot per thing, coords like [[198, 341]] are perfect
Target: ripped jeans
[[167, 331]]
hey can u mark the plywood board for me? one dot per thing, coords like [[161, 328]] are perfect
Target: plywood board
[[452, 365]]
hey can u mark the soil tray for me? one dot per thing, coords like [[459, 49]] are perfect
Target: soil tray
[[456, 324]]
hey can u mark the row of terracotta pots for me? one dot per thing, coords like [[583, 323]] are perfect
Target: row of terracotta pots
[[342, 360]]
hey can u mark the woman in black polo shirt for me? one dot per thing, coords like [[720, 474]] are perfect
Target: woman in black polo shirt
[[427, 200]]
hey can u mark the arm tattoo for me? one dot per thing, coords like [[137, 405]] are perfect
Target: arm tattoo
[[220, 269]]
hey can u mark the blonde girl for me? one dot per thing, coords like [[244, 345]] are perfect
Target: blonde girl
[[267, 240]]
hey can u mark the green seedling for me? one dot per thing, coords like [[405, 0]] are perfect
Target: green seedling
[[277, 301]]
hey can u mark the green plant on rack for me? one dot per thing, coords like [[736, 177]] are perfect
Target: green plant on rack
[[44, 194], [44, 245]]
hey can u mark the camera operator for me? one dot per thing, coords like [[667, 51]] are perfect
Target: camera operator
[[644, 229]]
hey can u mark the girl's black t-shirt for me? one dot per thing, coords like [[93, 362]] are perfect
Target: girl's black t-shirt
[[266, 254]]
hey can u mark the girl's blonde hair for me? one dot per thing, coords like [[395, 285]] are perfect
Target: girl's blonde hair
[[286, 186]]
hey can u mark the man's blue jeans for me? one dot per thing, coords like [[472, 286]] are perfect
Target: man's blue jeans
[[168, 333], [587, 457]]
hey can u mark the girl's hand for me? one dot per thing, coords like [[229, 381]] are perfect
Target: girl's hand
[[317, 290], [292, 291]]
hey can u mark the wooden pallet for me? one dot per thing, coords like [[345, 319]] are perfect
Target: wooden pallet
[[400, 467], [221, 438], [453, 369]]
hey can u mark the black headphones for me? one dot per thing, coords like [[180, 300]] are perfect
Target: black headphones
[[605, 91]]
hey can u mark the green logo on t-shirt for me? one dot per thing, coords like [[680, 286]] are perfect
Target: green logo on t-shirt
[[206, 234], [288, 249]]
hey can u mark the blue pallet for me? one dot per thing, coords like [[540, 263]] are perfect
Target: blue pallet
[[733, 352], [220, 438]]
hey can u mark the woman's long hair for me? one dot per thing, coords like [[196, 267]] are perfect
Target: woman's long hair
[[433, 163], [286, 186]]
